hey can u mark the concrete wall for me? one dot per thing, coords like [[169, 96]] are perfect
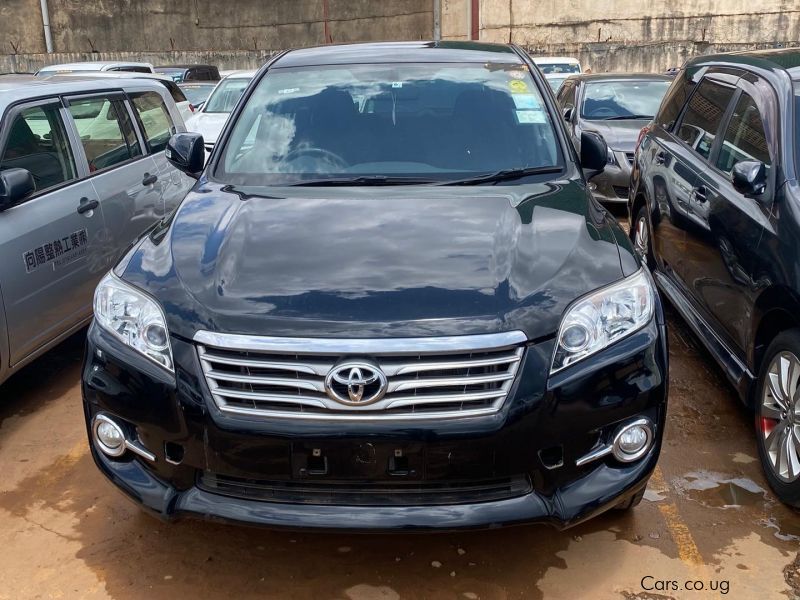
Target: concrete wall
[[185, 25], [629, 35]]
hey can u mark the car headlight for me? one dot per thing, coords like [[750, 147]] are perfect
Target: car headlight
[[133, 317], [603, 317], [611, 158]]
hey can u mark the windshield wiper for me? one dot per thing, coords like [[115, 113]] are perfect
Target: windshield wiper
[[363, 180], [504, 175], [626, 117]]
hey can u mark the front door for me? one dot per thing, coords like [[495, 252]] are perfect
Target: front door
[[724, 270], [51, 243], [123, 175]]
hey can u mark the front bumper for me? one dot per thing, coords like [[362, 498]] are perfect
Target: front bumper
[[612, 185], [516, 466]]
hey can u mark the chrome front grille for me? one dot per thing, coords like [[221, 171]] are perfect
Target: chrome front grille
[[424, 377]]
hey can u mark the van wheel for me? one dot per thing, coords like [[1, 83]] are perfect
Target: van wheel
[[631, 502], [640, 236], [777, 416]]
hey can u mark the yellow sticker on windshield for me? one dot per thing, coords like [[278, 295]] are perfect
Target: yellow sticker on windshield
[[518, 87]]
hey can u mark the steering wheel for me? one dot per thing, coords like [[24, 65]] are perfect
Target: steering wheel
[[336, 161]]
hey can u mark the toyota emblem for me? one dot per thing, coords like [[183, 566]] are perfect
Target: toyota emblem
[[355, 383]]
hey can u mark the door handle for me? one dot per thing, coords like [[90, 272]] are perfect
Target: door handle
[[86, 205], [149, 179], [700, 193]]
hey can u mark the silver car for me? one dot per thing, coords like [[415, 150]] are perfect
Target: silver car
[[82, 175]]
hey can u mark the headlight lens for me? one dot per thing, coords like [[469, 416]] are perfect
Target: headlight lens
[[133, 317], [603, 317], [611, 158]]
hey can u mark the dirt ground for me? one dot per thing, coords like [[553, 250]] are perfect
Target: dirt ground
[[707, 521]]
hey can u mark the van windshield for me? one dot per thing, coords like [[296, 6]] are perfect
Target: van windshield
[[438, 122], [631, 99]]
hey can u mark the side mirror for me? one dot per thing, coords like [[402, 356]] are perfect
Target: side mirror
[[749, 177], [566, 112], [186, 152], [594, 154], [15, 185]]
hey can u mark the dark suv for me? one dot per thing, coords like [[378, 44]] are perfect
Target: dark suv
[[389, 301], [715, 208]]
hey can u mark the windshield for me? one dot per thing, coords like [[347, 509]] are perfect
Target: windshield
[[197, 92], [631, 99], [440, 122], [548, 68], [226, 95]]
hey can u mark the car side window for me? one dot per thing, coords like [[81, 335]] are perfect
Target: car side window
[[745, 138], [106, 131], [567, 96], [37, 141], [681, 88], [703, 116], [155, 119]]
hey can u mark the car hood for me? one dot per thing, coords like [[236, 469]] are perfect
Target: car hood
[[377, 262], [619, 135], [209, 125]]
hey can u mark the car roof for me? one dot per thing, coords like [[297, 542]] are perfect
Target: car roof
[[780, 59], [116, 75], [620, 77], [93, 66], [14, 88], [397, 52]]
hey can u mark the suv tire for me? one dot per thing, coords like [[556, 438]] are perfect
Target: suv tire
[[777, 416]]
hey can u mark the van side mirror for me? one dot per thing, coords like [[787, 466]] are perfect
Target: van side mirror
[[594, 154], [566, 112], [15, 185], [186, 152], [749, 177]]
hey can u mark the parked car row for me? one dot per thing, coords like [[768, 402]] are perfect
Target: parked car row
[[391, 298]]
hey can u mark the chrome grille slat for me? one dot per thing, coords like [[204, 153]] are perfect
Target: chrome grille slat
[[426, 378]]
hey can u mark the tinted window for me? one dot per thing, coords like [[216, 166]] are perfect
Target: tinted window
[[174, 91], [155, 119], [681, 88], [629, 99], [38, 142], [566, 95], [108, 138], [437, 121], [226, 95], [744, 137], [703, 116], [797, 123]]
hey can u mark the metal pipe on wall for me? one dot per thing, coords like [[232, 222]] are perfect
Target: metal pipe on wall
[[437, 20], [48, 38]]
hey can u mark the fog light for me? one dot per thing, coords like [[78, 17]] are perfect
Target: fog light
[[108, 436], [633, 441]]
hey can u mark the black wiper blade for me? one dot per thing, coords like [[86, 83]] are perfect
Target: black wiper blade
[[504, 175], [363, 180], [628, 117]]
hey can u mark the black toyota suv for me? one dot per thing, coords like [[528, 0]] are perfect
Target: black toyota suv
[[389, 302], [715, 207]]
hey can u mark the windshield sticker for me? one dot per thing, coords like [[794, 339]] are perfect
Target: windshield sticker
[[526, 101], [518, 87], [289, 91], [397, 84], [531, 116], [59, 252], [516, 74]]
